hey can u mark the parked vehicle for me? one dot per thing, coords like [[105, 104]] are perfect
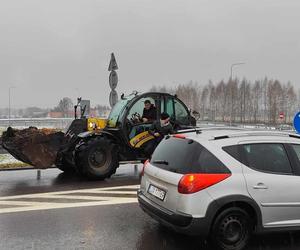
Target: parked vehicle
[[224, 184]]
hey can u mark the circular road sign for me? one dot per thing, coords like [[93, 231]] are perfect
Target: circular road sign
[[281, 115], [113, 79], [297, 122], [113, 98]]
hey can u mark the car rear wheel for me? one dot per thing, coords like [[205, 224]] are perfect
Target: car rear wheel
[[231, 229]]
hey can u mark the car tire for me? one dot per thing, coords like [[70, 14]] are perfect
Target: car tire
[[97, 159], [231, 229]]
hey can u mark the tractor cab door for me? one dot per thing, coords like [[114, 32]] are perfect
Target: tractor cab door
[[134, 117], [178, 112]]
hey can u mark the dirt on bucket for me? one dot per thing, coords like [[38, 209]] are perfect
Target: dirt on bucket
[[36, 147]]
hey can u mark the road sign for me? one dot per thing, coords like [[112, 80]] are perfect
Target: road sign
[[113, 98], [113, 63], [85, 106], [113, 79], [297, 122], [281, 115]]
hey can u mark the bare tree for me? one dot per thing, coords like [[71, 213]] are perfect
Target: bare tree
[[242, 101], [64, 106]]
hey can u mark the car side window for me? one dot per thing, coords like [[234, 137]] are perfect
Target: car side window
[[267, 157], [296, 148], [233, 151], [211, 164]]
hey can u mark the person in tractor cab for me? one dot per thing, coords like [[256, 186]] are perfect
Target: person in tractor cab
[[159, 129], [149, 112], [162, 127]]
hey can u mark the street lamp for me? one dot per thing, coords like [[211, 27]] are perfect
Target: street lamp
[[233, 65], [9, 103], [231, 71]]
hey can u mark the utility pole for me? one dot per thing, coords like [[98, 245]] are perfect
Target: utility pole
[[232, 66], [9, 104]]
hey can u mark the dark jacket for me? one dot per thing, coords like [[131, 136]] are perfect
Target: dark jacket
[[150, 114], [157, 128]]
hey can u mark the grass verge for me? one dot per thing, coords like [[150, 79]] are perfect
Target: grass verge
[[8, 162]]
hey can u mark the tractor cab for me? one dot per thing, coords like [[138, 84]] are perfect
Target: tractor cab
[[127, 114]]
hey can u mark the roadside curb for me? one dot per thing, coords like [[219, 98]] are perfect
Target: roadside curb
[[23, 168]]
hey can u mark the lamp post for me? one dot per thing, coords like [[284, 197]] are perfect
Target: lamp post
[[9, 103], [231, 72], [232, 66]]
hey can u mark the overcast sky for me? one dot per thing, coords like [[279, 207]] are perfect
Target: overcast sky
[[55, 48]]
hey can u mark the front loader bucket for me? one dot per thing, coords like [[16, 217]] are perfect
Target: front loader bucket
[[36, 147]]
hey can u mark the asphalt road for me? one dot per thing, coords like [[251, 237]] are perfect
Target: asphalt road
[[65, 212]]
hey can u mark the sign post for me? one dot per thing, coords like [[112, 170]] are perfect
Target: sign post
[[113, 80]]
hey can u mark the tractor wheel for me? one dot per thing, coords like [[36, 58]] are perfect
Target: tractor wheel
[[97, 159], [65, 166]]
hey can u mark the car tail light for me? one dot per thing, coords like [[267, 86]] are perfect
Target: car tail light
[[180, 136], [143, 169], [192, 183]]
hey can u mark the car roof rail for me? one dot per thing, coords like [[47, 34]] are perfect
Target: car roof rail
[[189, 130], [225, 128], [241, 132], [198, 130], [257, 133]]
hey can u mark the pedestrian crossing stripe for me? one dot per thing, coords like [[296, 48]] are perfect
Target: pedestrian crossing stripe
[[69, 199]]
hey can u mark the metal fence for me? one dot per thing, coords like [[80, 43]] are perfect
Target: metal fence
[[58, 123]]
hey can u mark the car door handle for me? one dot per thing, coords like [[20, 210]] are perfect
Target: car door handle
[[260, 186]]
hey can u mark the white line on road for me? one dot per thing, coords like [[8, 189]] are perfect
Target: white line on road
[[68, 199]]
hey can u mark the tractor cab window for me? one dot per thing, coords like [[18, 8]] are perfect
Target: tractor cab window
[[141, 115], [169, 107], [181, 114], [176, 110], [143, 109], [118, 110]]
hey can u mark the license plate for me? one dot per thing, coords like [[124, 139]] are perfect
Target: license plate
[[157, 192]]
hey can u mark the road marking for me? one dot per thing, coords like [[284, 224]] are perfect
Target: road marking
[[69, 199]]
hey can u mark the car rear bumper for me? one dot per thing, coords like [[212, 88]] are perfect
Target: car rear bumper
[[179, 222]]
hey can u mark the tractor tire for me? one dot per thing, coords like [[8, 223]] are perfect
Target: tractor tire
[[97, 159], [66, 167]]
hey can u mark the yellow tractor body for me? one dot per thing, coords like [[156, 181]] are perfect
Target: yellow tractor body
[[95, 123]]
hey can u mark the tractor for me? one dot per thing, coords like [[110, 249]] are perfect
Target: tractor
[[96, 147]]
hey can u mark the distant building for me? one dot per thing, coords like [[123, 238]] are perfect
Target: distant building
[[53, 114], [70, 114]]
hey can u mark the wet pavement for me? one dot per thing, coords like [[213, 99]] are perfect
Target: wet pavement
[[60, 211], [26, 181]]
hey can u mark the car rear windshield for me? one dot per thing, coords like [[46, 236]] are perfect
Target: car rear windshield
[[186, 156]]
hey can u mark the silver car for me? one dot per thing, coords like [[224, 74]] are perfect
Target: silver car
[[224, 184]]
